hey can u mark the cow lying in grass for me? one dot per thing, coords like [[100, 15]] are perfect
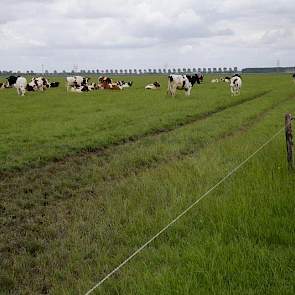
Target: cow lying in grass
[[225, 79], [84, 88], [124, 84], [153, 86], [76, 82], [214, 81], [107, 83], [39, 83]]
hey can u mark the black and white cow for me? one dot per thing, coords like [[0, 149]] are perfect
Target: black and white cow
[[83, 88], [76, 82], [293, 77], [124, 84], [153, 86], [41, 83], [18, 82], [180, 82], [31, 87], [235, 84], [38, 83]]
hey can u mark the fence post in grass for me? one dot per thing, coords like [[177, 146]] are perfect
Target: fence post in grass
[[289, 139]]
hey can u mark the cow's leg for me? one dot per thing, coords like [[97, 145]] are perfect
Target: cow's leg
[[232, 91], [173, 90], [169, 92], [22, 91], [18, 91], [188, 91]]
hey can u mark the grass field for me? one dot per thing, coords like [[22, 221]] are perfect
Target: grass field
[[86, 179]]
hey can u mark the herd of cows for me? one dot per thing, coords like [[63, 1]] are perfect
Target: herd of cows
[[81, 84]]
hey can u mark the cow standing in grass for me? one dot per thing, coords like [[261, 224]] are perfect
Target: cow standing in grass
[[181, 82], [20, 85], [293, 78], [235, 84]]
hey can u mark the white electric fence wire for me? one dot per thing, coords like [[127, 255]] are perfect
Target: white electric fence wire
[[183, 213]]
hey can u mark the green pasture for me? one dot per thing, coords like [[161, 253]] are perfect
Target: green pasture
[[86, 179], [42, 127]]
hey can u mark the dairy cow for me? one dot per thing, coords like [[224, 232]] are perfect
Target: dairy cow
[[235, 84], [153, 86], [182, 82], [76, 82]]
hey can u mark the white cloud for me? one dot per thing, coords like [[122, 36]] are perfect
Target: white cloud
[[186, 49], [143, 33]]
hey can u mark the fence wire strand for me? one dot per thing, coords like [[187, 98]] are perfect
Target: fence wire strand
[[183, 213]]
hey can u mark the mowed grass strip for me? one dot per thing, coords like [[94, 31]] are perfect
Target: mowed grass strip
[[69, 223], [47, 126]]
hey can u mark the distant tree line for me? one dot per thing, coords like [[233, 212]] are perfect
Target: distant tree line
[[128, 71]]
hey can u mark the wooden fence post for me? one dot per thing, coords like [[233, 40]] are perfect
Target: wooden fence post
[[289, 139]]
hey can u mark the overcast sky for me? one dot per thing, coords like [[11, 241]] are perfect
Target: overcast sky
[[117, 34]]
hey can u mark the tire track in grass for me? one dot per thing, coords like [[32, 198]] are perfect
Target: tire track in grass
[[12, 184], [103, 150], [36, 213]]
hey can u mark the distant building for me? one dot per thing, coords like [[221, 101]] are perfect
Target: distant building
[[269, 70]]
